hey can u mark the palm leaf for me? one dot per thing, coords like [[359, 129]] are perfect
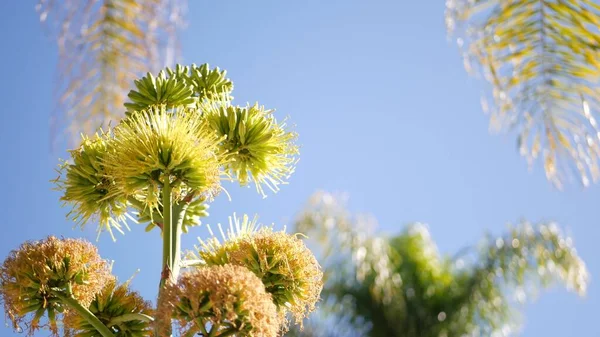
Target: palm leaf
[[103, 46], [402, 285], [540, 58]]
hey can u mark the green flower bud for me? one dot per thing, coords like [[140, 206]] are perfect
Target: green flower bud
[[220, 301], [180, 87], [123, 311], [161, 90], [210, 84], [260, 149], [32, 275]]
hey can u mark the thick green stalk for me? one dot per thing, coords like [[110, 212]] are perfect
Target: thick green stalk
[[176, 232], [228, 333], [173, 215], [167, 257], [167, 260], [86, 314]]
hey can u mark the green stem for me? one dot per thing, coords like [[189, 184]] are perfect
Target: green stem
[[136, 203], [228, 333], [173, 216], [167, 232], [190, 333], [176, 231], [203, 328], [167, 257], [130, 317], [86, 314], [192, 263]]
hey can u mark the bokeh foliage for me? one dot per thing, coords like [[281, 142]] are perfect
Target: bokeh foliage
[[402, 286]]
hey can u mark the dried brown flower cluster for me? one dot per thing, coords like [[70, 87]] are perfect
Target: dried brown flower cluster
[[226, 300], [33, 275]]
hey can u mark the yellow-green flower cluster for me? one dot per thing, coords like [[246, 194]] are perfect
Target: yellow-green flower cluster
[[132, 164], [158, 147], [287, 268], [122, 310], [89, 187], [33, 275], [180, 137], [261, 150], [220, 301]]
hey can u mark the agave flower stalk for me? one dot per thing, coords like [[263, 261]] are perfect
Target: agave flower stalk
[[162, 165]]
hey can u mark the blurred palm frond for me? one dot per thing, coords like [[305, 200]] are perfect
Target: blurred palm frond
[[103, 46], [402, 286], [541, 59]]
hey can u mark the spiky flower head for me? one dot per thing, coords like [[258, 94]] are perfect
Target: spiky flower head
[[213, 251], [179, 87], [122, 310], [170, 91], [262, 151], [87, 186], [220, 301], [37, 274], [156, 146], [287, 268], [210, 84]]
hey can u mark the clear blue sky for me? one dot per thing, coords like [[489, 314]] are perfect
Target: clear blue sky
[[385, 112]]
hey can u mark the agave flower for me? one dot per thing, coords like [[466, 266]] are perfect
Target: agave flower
[[287, 268], [156, 147], [88, 187], [220, 301], [35, 278], [261, 150], [122, 310], [180, 87]]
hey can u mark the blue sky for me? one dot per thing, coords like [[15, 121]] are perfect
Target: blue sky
[[384, 110]]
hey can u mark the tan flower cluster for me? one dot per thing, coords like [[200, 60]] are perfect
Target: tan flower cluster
[[287, 268], [32, 275], [226, 300]]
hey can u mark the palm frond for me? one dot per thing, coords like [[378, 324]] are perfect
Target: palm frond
[[403, 286], [512, 268], [540, 58], [103, 46]]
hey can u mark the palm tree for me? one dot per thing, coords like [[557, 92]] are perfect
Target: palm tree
[[401, 286], [540, 58], [103, 46]]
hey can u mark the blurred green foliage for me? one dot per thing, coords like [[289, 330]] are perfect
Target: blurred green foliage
[[402, 286]]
